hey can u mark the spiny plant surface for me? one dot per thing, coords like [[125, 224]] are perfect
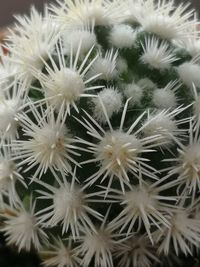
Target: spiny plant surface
[[99, 134]]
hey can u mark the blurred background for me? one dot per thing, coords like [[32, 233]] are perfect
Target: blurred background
[[10, 7]]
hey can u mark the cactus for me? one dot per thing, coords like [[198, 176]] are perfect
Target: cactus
[[99, 125]]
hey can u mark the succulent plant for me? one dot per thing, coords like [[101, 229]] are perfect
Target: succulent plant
[[99, 125]]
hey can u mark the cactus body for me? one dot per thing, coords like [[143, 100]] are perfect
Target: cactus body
[[99, 130]]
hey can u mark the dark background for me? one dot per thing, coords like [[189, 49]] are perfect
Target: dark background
[[10, 7]]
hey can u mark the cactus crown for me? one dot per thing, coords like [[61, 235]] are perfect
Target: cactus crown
[[99, 125]]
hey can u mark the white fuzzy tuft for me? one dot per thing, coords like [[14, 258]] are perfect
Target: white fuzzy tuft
[[116, 151], [137, 250], [106, 66], [165, 98], [121, 65], [166, 20], [78, 13], [190, 161], [156, 54], [97, 245], [9, 122], [31, 42], [143, 205], [112, 100], [146, 83], [159, 124], [48, 145], [9, 175], [72, 39], [132, 10], [187, 166], [183, 232], [11, 104], [22, 229], [135, 92], [122, 36], [164, 124], [189, 73], [192, 45], [60, 255], [196, 107], [8, 71], [66, 84], [69, 207]]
